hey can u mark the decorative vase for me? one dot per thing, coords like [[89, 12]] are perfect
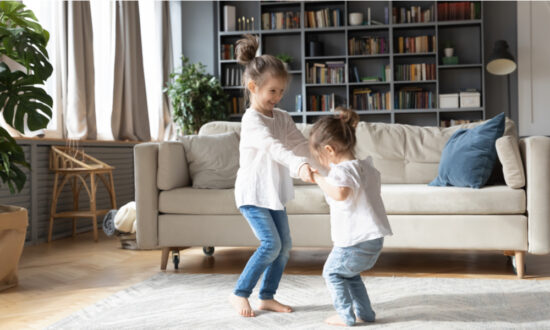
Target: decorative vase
[[448, 52], [287, 66], [13, 229]]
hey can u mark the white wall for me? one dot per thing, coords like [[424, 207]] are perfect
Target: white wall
[[534, 67]]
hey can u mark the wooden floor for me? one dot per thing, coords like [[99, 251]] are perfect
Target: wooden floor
[[65, 276]]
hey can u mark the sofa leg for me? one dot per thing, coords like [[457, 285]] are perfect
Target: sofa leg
[[520, 264], [164, 258]]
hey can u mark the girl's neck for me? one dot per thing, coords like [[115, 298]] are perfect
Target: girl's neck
[[268, 113], [343, 157]]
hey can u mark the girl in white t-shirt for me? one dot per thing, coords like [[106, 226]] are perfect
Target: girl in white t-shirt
[[357, 215], [271, 150]]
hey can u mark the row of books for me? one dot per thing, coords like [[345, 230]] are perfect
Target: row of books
[[450, 11], [236, 105], [233, 76], [385, 74], [330, 72], [281, 20], [415, 72], [365, 99], [227, 52], [326, 17], [368, 45], [418, 44], [324, 102], [414, 98], [412, 14], [453, 122]]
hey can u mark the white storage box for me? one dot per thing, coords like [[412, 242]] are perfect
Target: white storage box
[[469, 100], [448, 100]]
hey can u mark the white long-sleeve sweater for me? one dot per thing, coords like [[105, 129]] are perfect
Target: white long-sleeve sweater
[[271, 151]]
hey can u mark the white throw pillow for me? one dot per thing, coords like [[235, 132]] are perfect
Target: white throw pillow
[[213, 159], [512, 166]]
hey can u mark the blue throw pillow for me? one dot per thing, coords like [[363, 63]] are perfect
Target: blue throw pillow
[[469, 156]]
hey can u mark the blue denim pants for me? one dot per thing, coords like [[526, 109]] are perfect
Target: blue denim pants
[[271, 228], [342, 273]]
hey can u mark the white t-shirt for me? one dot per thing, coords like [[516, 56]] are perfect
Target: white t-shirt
[[271, 151], [362, 216]]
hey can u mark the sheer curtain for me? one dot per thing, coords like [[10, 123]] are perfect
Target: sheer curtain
[[96, 96]]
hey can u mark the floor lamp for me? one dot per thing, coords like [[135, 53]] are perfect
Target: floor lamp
[[502, 63]]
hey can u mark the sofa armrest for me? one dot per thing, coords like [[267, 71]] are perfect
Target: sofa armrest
[[535, 152], [145, 176]]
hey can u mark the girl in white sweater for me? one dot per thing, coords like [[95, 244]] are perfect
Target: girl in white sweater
[[271, 150]]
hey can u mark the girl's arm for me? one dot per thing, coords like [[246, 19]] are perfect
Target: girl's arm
[[337, 193]]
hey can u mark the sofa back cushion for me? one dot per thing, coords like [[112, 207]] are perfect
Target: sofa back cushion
[[173, 171], [402, 153]]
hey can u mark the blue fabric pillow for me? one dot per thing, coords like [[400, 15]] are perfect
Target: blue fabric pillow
[[470, 154]]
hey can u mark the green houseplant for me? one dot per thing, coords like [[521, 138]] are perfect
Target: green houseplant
[[22, 101], [285, 58], [196, 97], [24, 105]]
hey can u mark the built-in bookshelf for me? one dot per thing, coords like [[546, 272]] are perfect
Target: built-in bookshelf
[[389, 69]]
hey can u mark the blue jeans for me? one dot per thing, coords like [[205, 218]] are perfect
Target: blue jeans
[[271, 228], [342, 273]]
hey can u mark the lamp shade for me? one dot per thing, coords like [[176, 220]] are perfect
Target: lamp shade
[[501, 62]]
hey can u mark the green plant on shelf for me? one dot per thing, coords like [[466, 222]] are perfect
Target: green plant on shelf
[[285, 58]]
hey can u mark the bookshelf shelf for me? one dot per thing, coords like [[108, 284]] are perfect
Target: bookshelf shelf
[[334, 42], [414, 54]]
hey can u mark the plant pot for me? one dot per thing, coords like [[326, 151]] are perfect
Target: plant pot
[[448, 52], [287, 66], [13, 229]]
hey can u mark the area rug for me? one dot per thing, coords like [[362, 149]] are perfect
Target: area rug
[[199, 301]]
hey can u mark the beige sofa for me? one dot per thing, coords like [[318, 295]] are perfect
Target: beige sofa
[[172, 214]]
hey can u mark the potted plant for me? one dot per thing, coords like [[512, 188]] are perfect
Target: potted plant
[[448, 48], [286, 59], [23, 103], [196, 96]]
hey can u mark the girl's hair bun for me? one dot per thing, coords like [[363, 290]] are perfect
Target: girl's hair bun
[[348, 117], [246, 49]]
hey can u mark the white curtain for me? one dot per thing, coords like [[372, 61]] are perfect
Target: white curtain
[[96, 97]]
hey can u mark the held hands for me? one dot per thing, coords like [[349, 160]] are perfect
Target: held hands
[[306, 173]]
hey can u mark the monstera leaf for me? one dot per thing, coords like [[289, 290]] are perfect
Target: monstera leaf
[[23, 39], [19, 97], [23, 101], [12, 156]]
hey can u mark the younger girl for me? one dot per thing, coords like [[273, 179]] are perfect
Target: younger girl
[[357, 215], [269, 148]]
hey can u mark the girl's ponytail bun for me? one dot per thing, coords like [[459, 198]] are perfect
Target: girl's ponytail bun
[[246, 49], [349, 117]]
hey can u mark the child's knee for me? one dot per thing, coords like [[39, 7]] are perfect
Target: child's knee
[[271, 249]]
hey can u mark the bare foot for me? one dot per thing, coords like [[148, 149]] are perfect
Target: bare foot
[[241, 305], [274, 305], [336, 320]]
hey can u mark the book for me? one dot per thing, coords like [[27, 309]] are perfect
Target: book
[[229, 18]]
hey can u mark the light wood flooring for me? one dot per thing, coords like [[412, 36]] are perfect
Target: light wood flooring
[[62, 277]]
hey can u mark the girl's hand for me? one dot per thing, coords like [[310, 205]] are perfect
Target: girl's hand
[[306, 173]]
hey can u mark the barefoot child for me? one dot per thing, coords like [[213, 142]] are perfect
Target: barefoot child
[[268, 150], [357, 216]]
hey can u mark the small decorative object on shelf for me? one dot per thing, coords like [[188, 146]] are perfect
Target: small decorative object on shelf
[[355, 18], [469, 99], [229, 18], [298, 107], [286, 59], [448, 101]]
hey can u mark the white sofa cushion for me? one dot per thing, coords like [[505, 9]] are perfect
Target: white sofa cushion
[[213, 159], [512, 166], [398, 199], [173, 171]]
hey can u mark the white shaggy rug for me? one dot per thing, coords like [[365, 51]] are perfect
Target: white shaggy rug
[[199, 301]]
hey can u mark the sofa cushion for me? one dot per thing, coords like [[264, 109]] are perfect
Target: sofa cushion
[[402, 153], [398, 199], [173, 171], [512, 166], [469, 156], [213, 159]]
